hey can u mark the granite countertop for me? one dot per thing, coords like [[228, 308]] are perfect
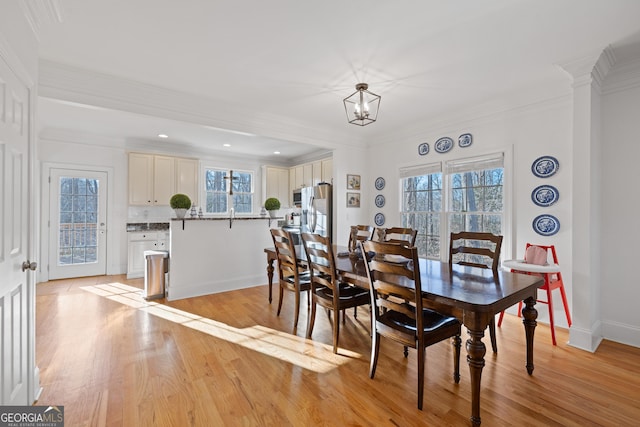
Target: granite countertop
[[147, 226], [223, 218]]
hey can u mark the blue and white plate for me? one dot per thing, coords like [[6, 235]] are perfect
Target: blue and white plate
[[465, 140], [545, 195], [546, 225], [545, 166], [380, 200], [379, 219], [443, 145], [423, 148], [379, 183]]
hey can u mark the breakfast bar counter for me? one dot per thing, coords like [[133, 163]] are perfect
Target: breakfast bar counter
[[211, 255]]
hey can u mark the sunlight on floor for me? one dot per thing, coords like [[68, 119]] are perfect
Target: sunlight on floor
[[307, 354]]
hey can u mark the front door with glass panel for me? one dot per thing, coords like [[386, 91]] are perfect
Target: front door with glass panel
[[77, 241]]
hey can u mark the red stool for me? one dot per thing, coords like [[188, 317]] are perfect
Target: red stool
[[552, 280]]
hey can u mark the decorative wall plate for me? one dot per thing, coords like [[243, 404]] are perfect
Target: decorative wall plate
[[379, 183], [465, 140], [546, 225], [380, 200], [379, 219], [423, 148], [545, 166], [443, 145], [545, 195]]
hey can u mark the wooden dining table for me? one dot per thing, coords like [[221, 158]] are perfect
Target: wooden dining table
[[473, 294]]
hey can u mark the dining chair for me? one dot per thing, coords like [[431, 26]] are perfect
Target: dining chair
[[397, 309], [398, 235], [359, 233], [535, 262], [326, 288], [291, 276], [477, 249]]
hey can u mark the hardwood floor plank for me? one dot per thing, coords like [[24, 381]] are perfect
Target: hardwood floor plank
[[113, 359]]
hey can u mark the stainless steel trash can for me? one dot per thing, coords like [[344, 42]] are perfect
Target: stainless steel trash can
[[155, 271]]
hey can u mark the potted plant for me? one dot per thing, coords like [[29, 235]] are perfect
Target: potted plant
[[272, 205], [180, 203]]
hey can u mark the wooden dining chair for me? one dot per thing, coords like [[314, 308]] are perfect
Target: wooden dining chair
[[397, 309], [359, 233], [291, 276], [476, 249], [398, 235], [326, 288]]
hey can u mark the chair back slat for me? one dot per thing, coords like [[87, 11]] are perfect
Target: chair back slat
[[475, 249], [321, 261], [359, 233], [398, 235]]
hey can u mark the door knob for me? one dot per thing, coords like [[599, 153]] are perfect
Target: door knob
[[29, 265]]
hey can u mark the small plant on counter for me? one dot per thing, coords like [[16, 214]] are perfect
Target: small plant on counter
[[180, 203], [272, 204]]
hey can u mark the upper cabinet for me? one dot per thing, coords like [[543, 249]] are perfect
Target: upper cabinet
[[327, 170], [276, 184], [153, 179]]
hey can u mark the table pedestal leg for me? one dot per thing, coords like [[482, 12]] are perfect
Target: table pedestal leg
[[529, 316], [270, 276], [475, 358]]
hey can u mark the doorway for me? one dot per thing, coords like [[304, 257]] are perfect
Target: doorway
[[78, 223]]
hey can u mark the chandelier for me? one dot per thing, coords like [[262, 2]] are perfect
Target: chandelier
[[362, 106]]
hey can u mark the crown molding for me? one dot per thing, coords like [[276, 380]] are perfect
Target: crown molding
[[590, 68], [623, 77], [38, 11], [73, 84]]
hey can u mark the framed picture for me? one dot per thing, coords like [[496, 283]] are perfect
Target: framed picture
[[353, 182], [353, 200]]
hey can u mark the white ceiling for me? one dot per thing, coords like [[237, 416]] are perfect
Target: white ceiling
[[295, 61]]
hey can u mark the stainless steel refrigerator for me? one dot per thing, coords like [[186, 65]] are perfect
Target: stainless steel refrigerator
[[317, 209]]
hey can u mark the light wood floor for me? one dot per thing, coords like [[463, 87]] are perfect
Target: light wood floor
[[226, 360]]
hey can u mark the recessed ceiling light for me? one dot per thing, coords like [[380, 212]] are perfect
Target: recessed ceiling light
[[276, 152], [226, 145], [162, 135]]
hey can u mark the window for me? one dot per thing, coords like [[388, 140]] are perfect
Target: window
[[474, 200], [217, 191]]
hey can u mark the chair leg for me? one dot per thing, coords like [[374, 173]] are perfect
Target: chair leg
[[312, 320], [375, 348], [551, 323], [336, 331], [500, 318], [280, 301], [355, 312], [406, 352], [297, 312], [520, 309], [421, 353], [492, 334], [566, 305], [457, 344]]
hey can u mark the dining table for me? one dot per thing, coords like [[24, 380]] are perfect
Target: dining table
[[472, 294]]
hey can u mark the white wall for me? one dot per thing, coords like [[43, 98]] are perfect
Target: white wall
[[524, 135], [620, 288]]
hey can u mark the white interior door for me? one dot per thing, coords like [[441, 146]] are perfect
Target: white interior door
[[78, 223], [16, 299]]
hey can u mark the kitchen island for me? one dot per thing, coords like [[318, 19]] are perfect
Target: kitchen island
[[211, 255]]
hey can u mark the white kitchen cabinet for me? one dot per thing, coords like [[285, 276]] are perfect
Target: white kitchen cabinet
[[186, 173], [317, 172], [140, 241], [153, 179], [277, 184], [307, 175], [327, 170], [163, 179]]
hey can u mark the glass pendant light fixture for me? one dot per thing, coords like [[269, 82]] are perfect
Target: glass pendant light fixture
[[362, 106]]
